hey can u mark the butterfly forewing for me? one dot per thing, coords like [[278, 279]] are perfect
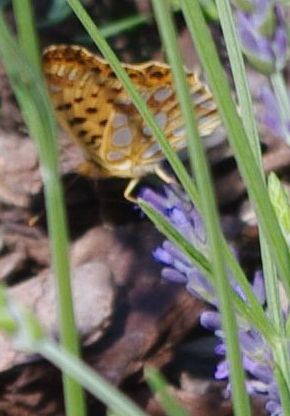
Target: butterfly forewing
[[97, 112]]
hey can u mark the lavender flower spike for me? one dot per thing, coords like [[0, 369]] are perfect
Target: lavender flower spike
[[256, 354], [263, 35], [175, 206], [257, 361]]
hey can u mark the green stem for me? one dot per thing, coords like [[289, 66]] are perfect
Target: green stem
[[208, 211], [247, 115], [159, 386], [238, 139], [125, 24], [240, 78], [26, 31], [282, 96], [37, 113], [89, 378]]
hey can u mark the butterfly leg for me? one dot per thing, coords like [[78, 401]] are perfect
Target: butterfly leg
[[129, 189], [159, 171], [164, 176]]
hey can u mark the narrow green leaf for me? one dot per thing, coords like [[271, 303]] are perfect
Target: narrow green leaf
[[238, 139], [27, 83]]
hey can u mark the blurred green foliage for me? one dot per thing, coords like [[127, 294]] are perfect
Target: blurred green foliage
[[58, 11]]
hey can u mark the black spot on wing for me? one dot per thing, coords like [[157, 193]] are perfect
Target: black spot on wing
[[82, 133], [64, 107], [78, 99], [77, 120], [91, 110]]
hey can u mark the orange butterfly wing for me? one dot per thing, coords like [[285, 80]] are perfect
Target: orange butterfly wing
[[98, 114]]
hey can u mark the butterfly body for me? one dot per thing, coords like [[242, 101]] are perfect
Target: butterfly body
[[96, 111]]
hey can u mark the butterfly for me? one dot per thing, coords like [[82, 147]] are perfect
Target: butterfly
[[96, 111]]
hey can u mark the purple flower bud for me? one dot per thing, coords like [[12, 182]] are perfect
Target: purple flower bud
[[210, 320], [280, 47], [263, 36], [162, 256], [153, 198], [239, 291], [198, 286], [274, 408], [176, 254], [252, 343], [173, 275], [220, 349], [261, 372], [257, 49], [222, 370], [198, 225], [259, 287], [271, 116]]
